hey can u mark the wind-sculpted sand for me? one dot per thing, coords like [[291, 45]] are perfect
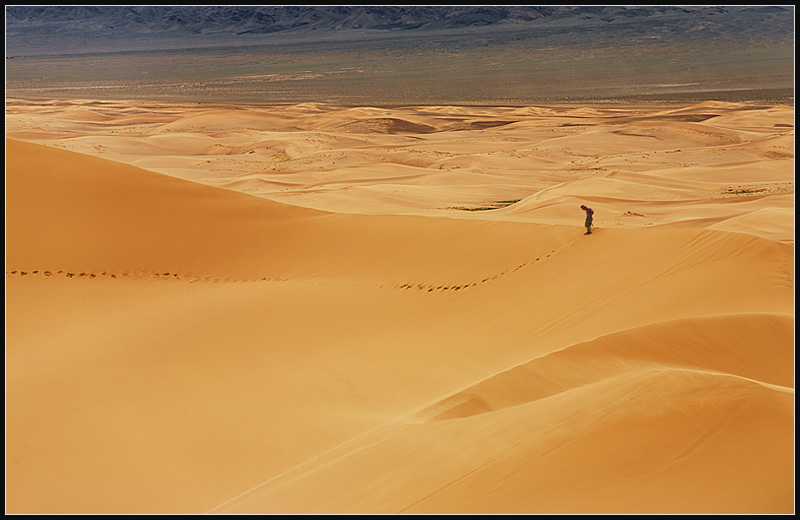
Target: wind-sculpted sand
[[325, 309]]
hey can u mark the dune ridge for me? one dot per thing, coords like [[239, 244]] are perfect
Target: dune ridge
[[422, 328], [634, 350]]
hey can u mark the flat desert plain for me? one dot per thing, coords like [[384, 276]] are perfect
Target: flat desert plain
[[326, 309]]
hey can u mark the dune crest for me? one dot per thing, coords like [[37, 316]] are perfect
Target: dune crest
[[714, 345]]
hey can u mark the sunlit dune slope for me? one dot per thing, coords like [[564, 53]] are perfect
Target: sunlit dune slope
[[660, 419]]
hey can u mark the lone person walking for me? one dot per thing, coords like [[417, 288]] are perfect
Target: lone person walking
[[588, 223]]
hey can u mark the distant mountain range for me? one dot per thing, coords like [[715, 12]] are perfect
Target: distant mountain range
[[75, 29], [401, 54]]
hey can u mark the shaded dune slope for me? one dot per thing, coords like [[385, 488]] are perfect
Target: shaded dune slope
[[79, 214]]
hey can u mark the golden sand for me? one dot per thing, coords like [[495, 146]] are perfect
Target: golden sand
[[322, 309]]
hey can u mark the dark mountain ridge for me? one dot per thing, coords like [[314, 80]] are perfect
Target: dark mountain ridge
[[65, 29]]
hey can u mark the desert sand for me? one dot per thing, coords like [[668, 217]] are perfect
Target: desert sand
[[326, 309]]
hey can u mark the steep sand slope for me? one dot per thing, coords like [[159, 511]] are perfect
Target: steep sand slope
[[76, 212]]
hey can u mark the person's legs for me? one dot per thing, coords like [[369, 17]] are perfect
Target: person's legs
[[588, 225]]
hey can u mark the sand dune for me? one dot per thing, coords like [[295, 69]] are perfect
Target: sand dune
[[321, 309], [620, 427]]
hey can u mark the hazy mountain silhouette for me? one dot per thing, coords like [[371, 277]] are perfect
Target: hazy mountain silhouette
[[400, 54], [91, 28]]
